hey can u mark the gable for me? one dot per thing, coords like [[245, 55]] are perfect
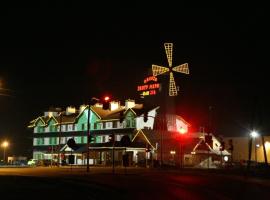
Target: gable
[[130, 114], [52, 121], [40, 122], [83, 117], [141, 137]]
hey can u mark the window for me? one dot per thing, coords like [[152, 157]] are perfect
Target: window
[[104, 125], [73, 127], [82, 127], [52, 141], [128, 123], [35, 141], [46, 141], [40, 129], [95, 125], [85, 139], [133, 123], [52, 128], [63, 140], [35, 130], [115, 124], [40, 141], [78, 140]]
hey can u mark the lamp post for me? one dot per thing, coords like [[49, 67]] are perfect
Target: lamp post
[[5, 145], [254, 135]]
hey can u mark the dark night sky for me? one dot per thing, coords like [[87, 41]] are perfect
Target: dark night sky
[[60, 57]]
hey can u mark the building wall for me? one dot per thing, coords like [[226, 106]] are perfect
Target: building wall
[[240, 151], [140, 124]]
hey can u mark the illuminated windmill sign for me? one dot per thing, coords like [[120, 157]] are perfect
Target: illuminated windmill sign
[[158, 70], [149, 87]]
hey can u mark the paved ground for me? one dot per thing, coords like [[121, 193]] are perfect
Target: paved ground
[[100, 183]]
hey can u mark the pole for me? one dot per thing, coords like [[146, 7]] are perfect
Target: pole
[[59, 141], [125, 161], [264, 151], [221, 159], [208, 133], [161, 142], [161, 150], [146, 155], [113, 164], [249, 152], [255, 151], [88, 139], [51, 155], [4, 155], [208, 160]]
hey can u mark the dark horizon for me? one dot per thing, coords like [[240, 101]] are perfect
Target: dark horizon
[[52, 57]]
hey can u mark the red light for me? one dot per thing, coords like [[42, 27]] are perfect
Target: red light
[[106, 98]]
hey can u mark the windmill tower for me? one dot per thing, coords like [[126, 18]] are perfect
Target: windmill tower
[[158, 70]]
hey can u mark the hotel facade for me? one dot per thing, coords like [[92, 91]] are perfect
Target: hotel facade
[[145, 135]]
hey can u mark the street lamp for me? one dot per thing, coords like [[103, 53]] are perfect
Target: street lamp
[[5, 145], [254, 135]]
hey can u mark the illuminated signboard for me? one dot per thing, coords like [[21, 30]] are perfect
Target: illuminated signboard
[[149, 87]]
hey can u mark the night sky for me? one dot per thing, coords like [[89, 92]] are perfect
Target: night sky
[[61, 57]]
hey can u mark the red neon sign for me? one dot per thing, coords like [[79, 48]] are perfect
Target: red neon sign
[[149, 88]]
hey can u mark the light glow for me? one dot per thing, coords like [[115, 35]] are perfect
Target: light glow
[[182, 130], [173, 90], [5, 144], [169, 49], [106, 98], [254, 134], [226, 158], [172, 152], [182, 68], [267, 144], [149, 88], [158, 70]]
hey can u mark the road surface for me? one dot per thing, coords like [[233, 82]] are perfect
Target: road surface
[[100, 183]]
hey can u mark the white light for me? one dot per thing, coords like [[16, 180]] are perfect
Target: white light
[[254, 134], [172, 152], [182, 130], [226, 158], [257, 145], [267, 144]]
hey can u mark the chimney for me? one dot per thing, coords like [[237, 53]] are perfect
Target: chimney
[[52, 112], [82, 107], [70, 110], [114, 105], [129, 103], [98, 105]]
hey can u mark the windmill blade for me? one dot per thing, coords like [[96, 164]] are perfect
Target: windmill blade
[[172, 88], [182, 68], [169, 49], [157, 70]]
